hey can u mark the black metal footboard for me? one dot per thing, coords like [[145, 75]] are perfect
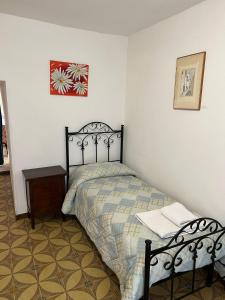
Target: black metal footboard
[[209, 234]]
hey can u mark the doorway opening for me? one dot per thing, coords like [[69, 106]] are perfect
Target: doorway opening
[[4, 131]]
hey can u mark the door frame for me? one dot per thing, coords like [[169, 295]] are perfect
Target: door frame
[[6, 113]]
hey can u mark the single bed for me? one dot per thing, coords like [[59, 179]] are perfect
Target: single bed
[[105, 198]]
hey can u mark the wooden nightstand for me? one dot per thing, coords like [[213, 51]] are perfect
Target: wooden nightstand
[[45, 191]]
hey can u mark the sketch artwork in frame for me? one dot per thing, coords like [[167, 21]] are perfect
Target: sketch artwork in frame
[[189, 81]]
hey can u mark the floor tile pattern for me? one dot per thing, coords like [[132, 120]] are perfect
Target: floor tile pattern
[[58, 261]]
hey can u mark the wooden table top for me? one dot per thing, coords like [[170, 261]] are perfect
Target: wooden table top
[[43, 172]]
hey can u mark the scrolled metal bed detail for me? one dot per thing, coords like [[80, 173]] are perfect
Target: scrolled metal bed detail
[[212, 232], [97, 131]]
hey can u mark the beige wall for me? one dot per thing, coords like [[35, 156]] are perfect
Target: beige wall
[[180, 152]]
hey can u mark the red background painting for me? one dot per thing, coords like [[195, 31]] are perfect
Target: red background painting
[[71, 92]]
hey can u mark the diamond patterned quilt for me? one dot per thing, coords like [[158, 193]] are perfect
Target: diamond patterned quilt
[[105, 199]]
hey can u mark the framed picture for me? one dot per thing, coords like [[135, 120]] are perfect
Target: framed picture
[[68, 79], [189, 81]]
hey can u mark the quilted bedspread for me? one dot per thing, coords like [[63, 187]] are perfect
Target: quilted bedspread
[[105, 200]]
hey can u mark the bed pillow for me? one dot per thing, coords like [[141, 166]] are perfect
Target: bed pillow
[[100, 170]]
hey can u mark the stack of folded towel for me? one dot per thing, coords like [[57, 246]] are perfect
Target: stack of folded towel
[[167, 221]]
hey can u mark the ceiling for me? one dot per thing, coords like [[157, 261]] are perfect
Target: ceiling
[[122, 17]]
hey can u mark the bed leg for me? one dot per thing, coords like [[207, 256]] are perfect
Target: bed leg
[[148, 244], [210, 270]]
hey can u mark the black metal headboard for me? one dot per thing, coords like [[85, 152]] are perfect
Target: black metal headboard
[[96, 132]]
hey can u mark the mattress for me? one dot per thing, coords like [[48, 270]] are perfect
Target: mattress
[[105, 202]]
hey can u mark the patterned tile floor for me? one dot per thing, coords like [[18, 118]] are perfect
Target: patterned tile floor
[[58, 261]]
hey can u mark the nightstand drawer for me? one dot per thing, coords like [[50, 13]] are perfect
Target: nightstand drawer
[[45, 190]]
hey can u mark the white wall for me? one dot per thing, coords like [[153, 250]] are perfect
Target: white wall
[[180, 152], [36, 118]]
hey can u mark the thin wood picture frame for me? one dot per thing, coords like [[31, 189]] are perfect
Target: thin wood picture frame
[[189, 81]]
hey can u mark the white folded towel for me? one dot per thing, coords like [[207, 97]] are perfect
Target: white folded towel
[[158, 223], [178, 214]]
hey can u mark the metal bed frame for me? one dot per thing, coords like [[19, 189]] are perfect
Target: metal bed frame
[[212, 233], [211, 230], [95, 132]]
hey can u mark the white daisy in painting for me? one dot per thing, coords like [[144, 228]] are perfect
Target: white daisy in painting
[[77, 71], [80, 87], [61, 81]]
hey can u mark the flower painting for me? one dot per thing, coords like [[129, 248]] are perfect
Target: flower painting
[[68, 79]]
